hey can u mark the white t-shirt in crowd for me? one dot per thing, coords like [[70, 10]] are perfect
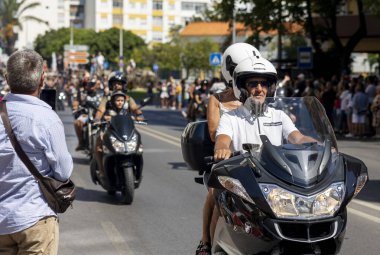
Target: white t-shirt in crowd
[[242, 127]]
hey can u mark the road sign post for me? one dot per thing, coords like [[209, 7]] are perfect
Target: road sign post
[[75, 54]]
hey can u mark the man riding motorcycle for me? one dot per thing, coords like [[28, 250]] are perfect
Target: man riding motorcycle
[[116, 83], [90, 92]]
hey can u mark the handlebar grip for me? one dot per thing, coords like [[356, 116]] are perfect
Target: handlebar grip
[[209, 160]]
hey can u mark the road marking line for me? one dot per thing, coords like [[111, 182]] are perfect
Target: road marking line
[[173, 138], [369, 205], [364, 215], [147, 132], [116, 239]]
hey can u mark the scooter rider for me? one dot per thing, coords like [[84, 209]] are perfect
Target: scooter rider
[[117, 83], [91, 91]]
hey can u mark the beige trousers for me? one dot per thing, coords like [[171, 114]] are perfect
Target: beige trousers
[[40, 239]]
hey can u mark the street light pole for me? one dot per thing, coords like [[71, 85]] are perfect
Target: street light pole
[[234, 24], [121, 49], [71, 32]]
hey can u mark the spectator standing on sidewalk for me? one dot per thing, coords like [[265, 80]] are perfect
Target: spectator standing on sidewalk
[[359, 110], [27, 224], [375, 108]]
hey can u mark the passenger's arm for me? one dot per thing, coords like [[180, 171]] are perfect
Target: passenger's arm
[[213, 116]]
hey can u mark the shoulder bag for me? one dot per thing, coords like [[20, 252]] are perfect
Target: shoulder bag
[[59, 195]]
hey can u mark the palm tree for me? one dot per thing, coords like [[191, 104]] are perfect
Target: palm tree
[[11, 16]]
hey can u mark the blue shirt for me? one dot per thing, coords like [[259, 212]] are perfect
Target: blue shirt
[[41, 135]]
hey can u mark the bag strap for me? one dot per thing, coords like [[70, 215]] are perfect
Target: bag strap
[[16, 145]]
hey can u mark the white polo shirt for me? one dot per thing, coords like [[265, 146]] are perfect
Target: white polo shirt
[[242, 127]]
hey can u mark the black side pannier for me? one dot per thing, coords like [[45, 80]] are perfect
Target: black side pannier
[[196, 145]]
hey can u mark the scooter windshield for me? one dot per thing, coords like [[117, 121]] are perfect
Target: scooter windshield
[[293, 137], [123, 126]]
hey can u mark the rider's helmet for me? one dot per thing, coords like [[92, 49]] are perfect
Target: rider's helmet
[[233, 55], [252, 66], [117, 77]]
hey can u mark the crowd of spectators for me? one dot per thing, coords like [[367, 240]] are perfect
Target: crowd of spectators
[[352, 103]]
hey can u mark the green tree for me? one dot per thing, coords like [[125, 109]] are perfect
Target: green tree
[[106, 41], [11, 16], [195, 55]]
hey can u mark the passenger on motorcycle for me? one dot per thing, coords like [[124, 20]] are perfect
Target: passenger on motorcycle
[[219, 104], [119, 103]]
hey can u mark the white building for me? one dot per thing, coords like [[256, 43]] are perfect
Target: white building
[[150, 19], [56, 14]]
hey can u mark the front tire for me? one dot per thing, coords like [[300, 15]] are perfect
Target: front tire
[[129, 186]]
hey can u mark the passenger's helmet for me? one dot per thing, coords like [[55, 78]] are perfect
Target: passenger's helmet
[[204, 83], [116, 94], [233, 55], [119, 77], [251, 66]]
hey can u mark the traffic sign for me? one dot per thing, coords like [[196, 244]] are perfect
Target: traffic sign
[[216, 59], [77, 54], [305, 58]]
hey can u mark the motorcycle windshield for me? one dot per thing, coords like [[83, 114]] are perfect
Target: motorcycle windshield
[[123, 126], [293, 138]]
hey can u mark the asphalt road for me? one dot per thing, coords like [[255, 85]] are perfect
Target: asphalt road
[[165, 217]]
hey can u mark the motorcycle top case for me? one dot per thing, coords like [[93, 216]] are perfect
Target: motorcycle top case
[[196, 145]]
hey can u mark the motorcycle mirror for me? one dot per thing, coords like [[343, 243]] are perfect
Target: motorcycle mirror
[[145, 101]]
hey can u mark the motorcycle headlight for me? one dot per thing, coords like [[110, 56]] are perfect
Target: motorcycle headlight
[[132, 144], [117, 145], [235, 186], [286, 204]]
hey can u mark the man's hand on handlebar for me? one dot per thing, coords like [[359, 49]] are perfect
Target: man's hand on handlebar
[[221, 154]]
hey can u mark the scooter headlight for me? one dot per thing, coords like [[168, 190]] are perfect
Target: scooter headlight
[[286, 204], [117, 145], [132, 143], [235, 187]]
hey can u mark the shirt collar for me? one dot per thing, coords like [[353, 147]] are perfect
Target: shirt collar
[[247, 115], [10, 97]]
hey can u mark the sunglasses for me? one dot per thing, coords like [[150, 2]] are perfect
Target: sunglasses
[[254, 84]]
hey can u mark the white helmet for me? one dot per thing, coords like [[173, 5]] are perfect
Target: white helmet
[[251, 66], [233, 55]]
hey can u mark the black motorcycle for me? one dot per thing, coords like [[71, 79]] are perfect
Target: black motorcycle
[[287, 199], [122, 158]]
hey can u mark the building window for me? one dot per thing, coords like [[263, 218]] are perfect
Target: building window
[[131, 5], [143, 6], [143, 22], [157, 20], [117, 3], [117, 19], [157, 5], [103, 19], [191, 6], [172, 7], [157, 36], [132, 21]]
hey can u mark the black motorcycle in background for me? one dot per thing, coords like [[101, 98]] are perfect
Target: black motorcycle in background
[[288, 199], [123, 156]]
